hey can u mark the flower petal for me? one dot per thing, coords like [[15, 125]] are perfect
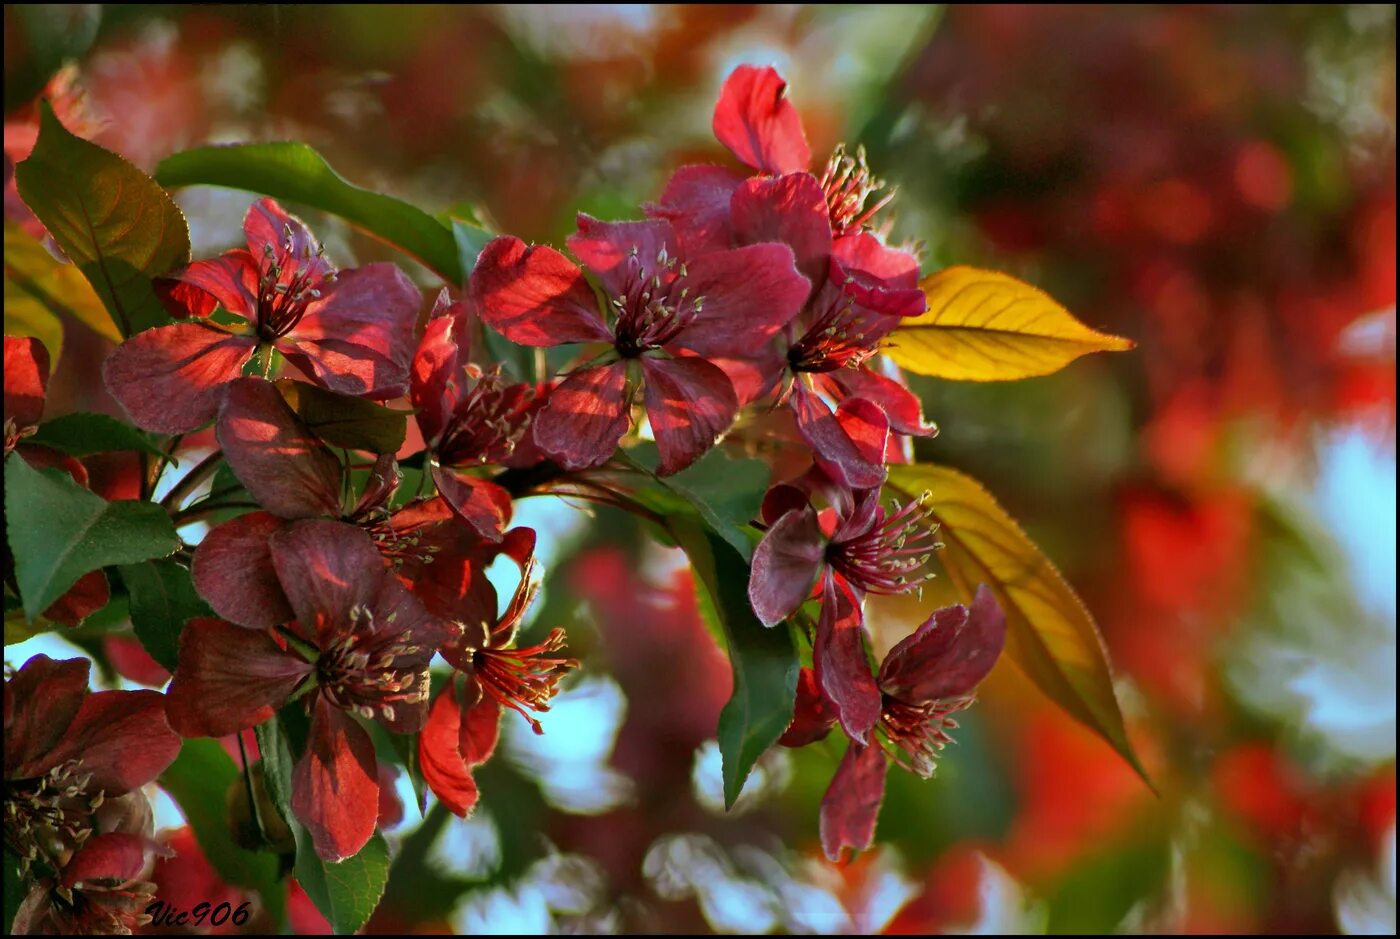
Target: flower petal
[[949, 654], [535, 296], [229, 678], [901, 406], [171, 379], [41, 700], [231, 279], [690, 404], [864, 252], [788, 209], [26, 380], [749, 294], [585, 417], [759, 125], [480, 730], [116, 856], [812, 716], [335, 786], [122, 738], [435, 364], [851, 805], [836, 452], [696, 203], [786, 563], [605, 248], [81, 600], [327, 569], [480, 503], [838, 655], [274, 455], [359, 339], [440, 760], [267, 226], [233, 572]]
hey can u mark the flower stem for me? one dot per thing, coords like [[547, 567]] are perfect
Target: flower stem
[[190, 480]]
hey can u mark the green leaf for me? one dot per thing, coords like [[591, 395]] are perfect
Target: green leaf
[[58, 531], [727, 493], [469, 239], [14, 890], [110, 219], [199, 781], [1049, 633], [163, 599], [764, 660], [45, 35], [37, 282], [298, 173], [84, 433], [346, 892], [345, 421]]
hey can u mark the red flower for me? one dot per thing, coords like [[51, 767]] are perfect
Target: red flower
[[468, 417], [860, 288], [67, 751], [351, 331], [925, 679], [672, 311], [463, 726], [101, 891], [359, 644], [852, 548], [26, 387]]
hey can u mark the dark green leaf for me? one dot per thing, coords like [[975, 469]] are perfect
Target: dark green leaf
[[764, 660], [298, 173], [58, 531], [469, 239], [84, 433], [346, 892], [162, 599], [45, 36], [199, 781], [725, 492], [345, 421], [112, 220]]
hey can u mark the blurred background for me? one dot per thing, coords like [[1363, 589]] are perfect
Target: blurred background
[[1217, 183]]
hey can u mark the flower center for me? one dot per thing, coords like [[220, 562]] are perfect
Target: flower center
[[840, 335], [488, 422], [847, 182], [523, 678], [359, 671], [920, 731], [102, 909], [883, 557], [653, 310], [49, 817], [286, 288]]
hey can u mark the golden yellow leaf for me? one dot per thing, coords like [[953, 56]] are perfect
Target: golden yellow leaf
[[985, 326], [1050, 635]]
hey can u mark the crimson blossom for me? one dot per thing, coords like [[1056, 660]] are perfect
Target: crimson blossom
[[359, 645], [925, 679], [671, 312], [350, 331], [860, 289], [104, 890]]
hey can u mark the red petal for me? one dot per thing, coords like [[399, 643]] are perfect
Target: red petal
[[838, 654], [851, 805], [864, 252], [535, 296], [949, 654], [335, 786], [480, 730], [690, 404], [122, 738], [836, 452], [750, 293], [133, 662], [754, 376], [26, 380], [480, 503], [696, 203], [866, 426], [383, 481], [785, 565], [233, 571], [231, 280], [435, 364], [117, 856], [229, 678], [41, 700], [83, 599], [281, 462], [292, 243], [585, 417], [812, 717], [171, 379], [359, 340], [758, 124], [788, 209], [605, 248], [900, 405], [441, 761]]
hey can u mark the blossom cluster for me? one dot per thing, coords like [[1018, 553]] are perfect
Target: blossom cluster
[[746, 307]]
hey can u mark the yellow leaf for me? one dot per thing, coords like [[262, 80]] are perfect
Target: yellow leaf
[[1050, 636], [985, 326], [40, 284]]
